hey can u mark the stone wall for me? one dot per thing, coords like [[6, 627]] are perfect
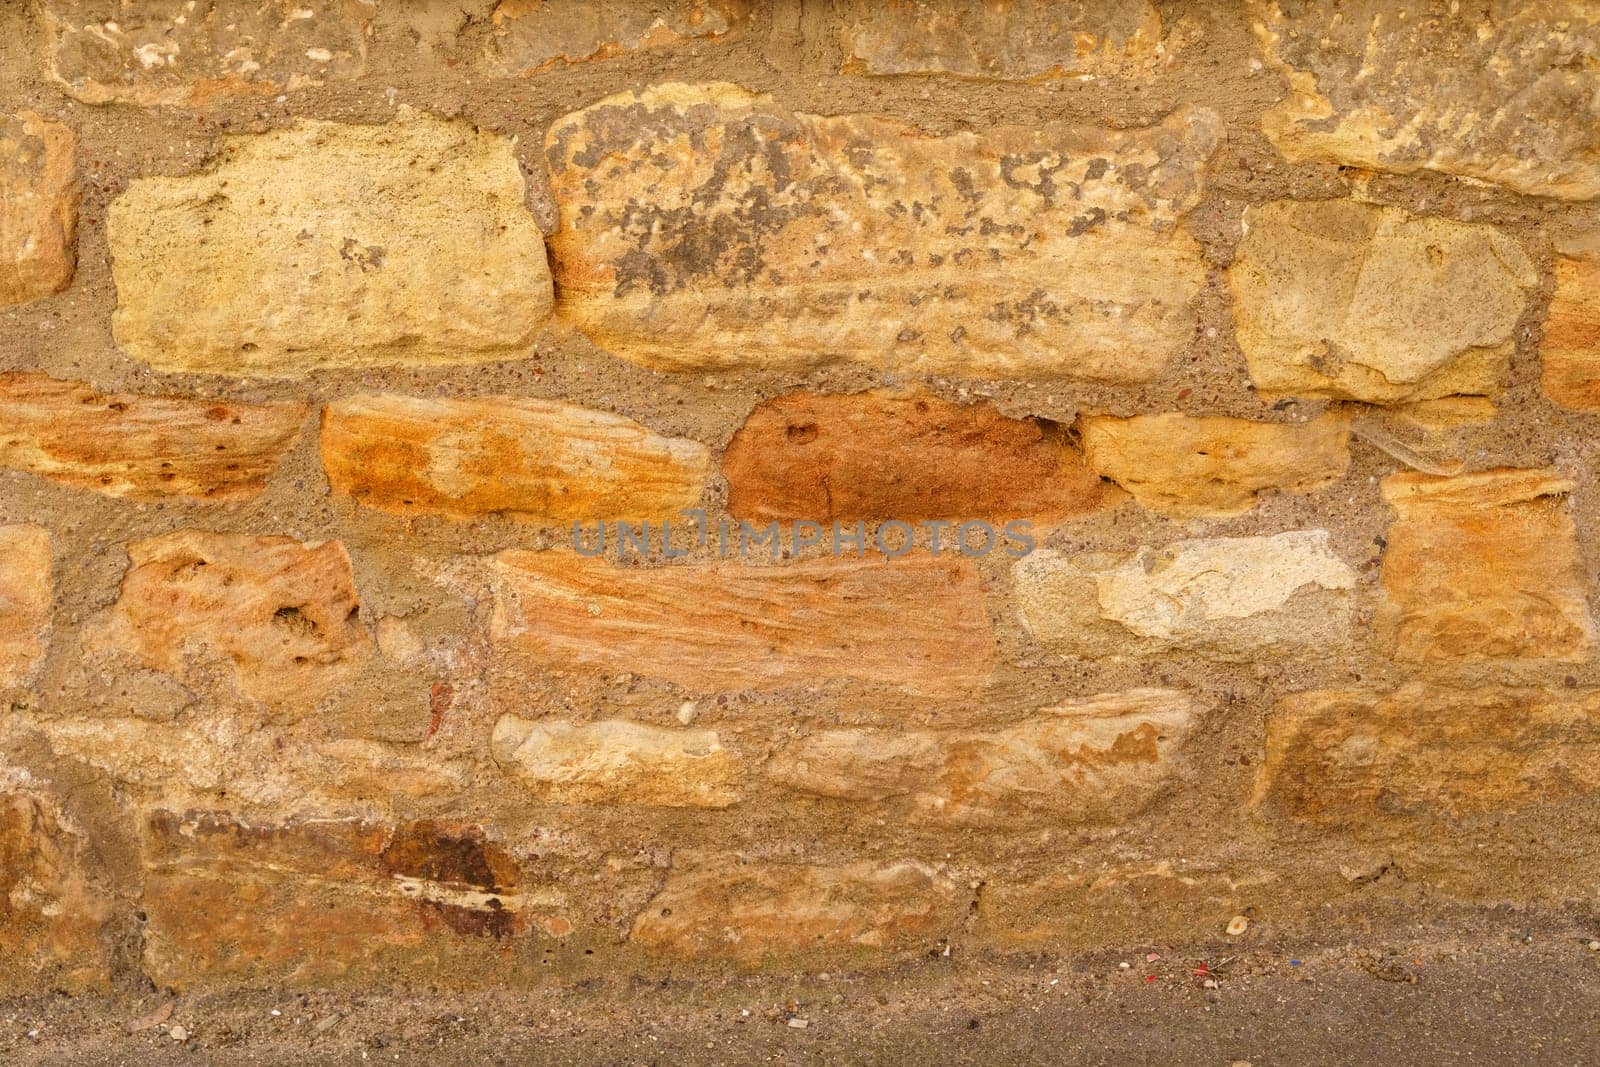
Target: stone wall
[[1178, 418]]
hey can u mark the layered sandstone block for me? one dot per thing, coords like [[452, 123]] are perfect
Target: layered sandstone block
[[1360, 758], [618, 762], [915, 624], [276, 619], [327, 900], [706, 227], [1086, 760], [1342, 299], [1023, 41], [55, 916], [767, 913], [1501, 92], [38, 207], [531, 36], [537, 458], [144, 447], [1214, 467], [1570, 354], [27, 601], [884, 454], [325, 245], [1231, 597], [190, 54], [1484, 566]]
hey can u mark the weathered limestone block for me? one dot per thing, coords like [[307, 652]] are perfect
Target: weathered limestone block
[[277, 616], [207, 758], [530, 36], [1484, 566], [1502, 92], [1570, 354], [1087, 760], [756, 914], [38, 207], [27, 597], [325, 245], [1232, 597], [231, 902], [915, 625], [538, 458], [1359, 757], [184, 53], [888, 455], [706, 227], [1343, 299], [617, 762], [53, 915], [1025, 40], [144, 447], [1187, 467]]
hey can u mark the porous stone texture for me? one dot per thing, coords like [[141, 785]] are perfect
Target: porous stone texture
[[1363, 302], [1484, 566], [190, 53], [1187, 467], [727, 625], [1570, 352], [1023, 41], [617, 762], [1084, 761], [888, 455], [1500, 92], [707, 227], [1285, 594], [1363, 758], [265, 618], [532, 36], [27, 600], [757, 913], [331, 245], [38, 207], [535, 458], [143, 447]]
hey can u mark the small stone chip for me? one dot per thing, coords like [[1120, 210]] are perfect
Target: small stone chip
[[1238, 925]]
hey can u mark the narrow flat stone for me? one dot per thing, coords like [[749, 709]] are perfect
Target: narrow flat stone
[[1570, 353], [1484, 566], [1362, 757], [325, 245], [1504, 93], [891, 455], [38, 207], [542, 459], [532, 36], [1086, 760], [732, 625], [617, 762], [144, 447], [1233, 597], [27, 601], [705, 227], [1026, 40], [279, 617], [183, 53], [1343, 299], [768, 913], [330, 900], [1187, 467]]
